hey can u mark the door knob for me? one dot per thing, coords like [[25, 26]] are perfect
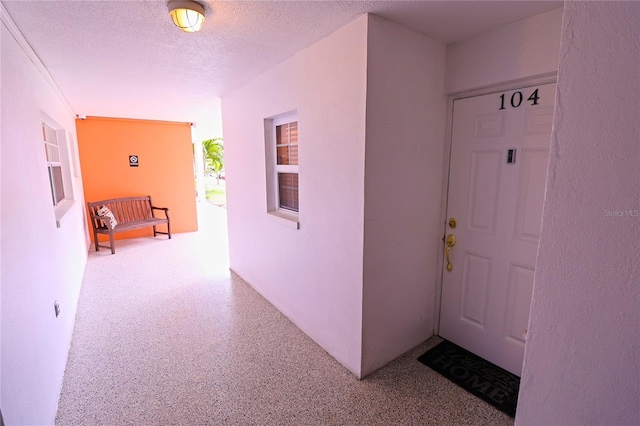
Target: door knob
[[450, 242]]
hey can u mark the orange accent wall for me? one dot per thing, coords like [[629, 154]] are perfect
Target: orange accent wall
[[165, 170]]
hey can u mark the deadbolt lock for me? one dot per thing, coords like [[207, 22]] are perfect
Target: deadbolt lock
[[452, 223]]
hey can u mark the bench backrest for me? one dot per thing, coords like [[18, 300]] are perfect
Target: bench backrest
[[127, 209]]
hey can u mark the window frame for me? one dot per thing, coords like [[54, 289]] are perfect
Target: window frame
[[273, 169], [61, 159], [285, 168], [54, 160]]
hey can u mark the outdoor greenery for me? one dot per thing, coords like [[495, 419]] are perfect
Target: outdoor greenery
[[213, 152], [213, 157], [217, 197]]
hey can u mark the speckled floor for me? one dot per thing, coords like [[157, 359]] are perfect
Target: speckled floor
[[165, 335]]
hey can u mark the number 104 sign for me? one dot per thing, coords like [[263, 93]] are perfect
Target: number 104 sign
[[517, 98]]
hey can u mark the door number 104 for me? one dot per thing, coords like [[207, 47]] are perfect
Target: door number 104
[[517, 97]]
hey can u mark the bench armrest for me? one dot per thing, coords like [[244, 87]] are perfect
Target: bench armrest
[[164, 209], [105, 220]]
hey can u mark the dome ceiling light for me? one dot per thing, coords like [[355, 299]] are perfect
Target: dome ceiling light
[[187, 15]]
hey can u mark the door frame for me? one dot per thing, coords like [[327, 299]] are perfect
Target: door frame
[[546, 78]]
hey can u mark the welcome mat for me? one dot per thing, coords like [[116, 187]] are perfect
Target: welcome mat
[[485, 380]]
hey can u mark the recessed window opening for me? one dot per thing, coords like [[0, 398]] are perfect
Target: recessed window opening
[[54, 163], [282, 161]]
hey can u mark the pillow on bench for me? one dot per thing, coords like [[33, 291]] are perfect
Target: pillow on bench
[[106, 213]]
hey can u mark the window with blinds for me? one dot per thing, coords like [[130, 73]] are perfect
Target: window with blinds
[[287, 165], [54, 165]]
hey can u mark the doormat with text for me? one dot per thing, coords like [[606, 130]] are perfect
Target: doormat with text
[[483, 379]]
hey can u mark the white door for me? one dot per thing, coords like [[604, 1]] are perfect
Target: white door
[[499, 155]]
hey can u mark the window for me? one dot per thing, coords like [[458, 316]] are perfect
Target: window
[[56, 151], [54, 165], [287, 165], [281, 153]]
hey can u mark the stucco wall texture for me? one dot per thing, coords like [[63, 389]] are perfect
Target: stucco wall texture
[[312, 274], [406, 116], [582, 359], [506, 54]]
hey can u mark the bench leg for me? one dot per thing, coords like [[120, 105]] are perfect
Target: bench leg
[[113, 249], [155, 232], [95, 240]]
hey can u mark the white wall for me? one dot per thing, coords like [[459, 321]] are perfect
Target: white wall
[[406, 116], [1, 417], [360, 274], [40, 262], [582, 359], [312, 274], [520, 50]]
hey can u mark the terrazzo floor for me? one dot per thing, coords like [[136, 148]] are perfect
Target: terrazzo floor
[[166, 335]]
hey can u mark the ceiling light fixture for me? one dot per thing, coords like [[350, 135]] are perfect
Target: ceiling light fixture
[[187, 15]]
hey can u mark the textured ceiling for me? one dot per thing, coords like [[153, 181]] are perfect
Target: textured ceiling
[[126, 58]]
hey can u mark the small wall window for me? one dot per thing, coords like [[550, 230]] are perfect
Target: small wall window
[[56, 151], [54, 164], [287, 165], [281, 134]]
